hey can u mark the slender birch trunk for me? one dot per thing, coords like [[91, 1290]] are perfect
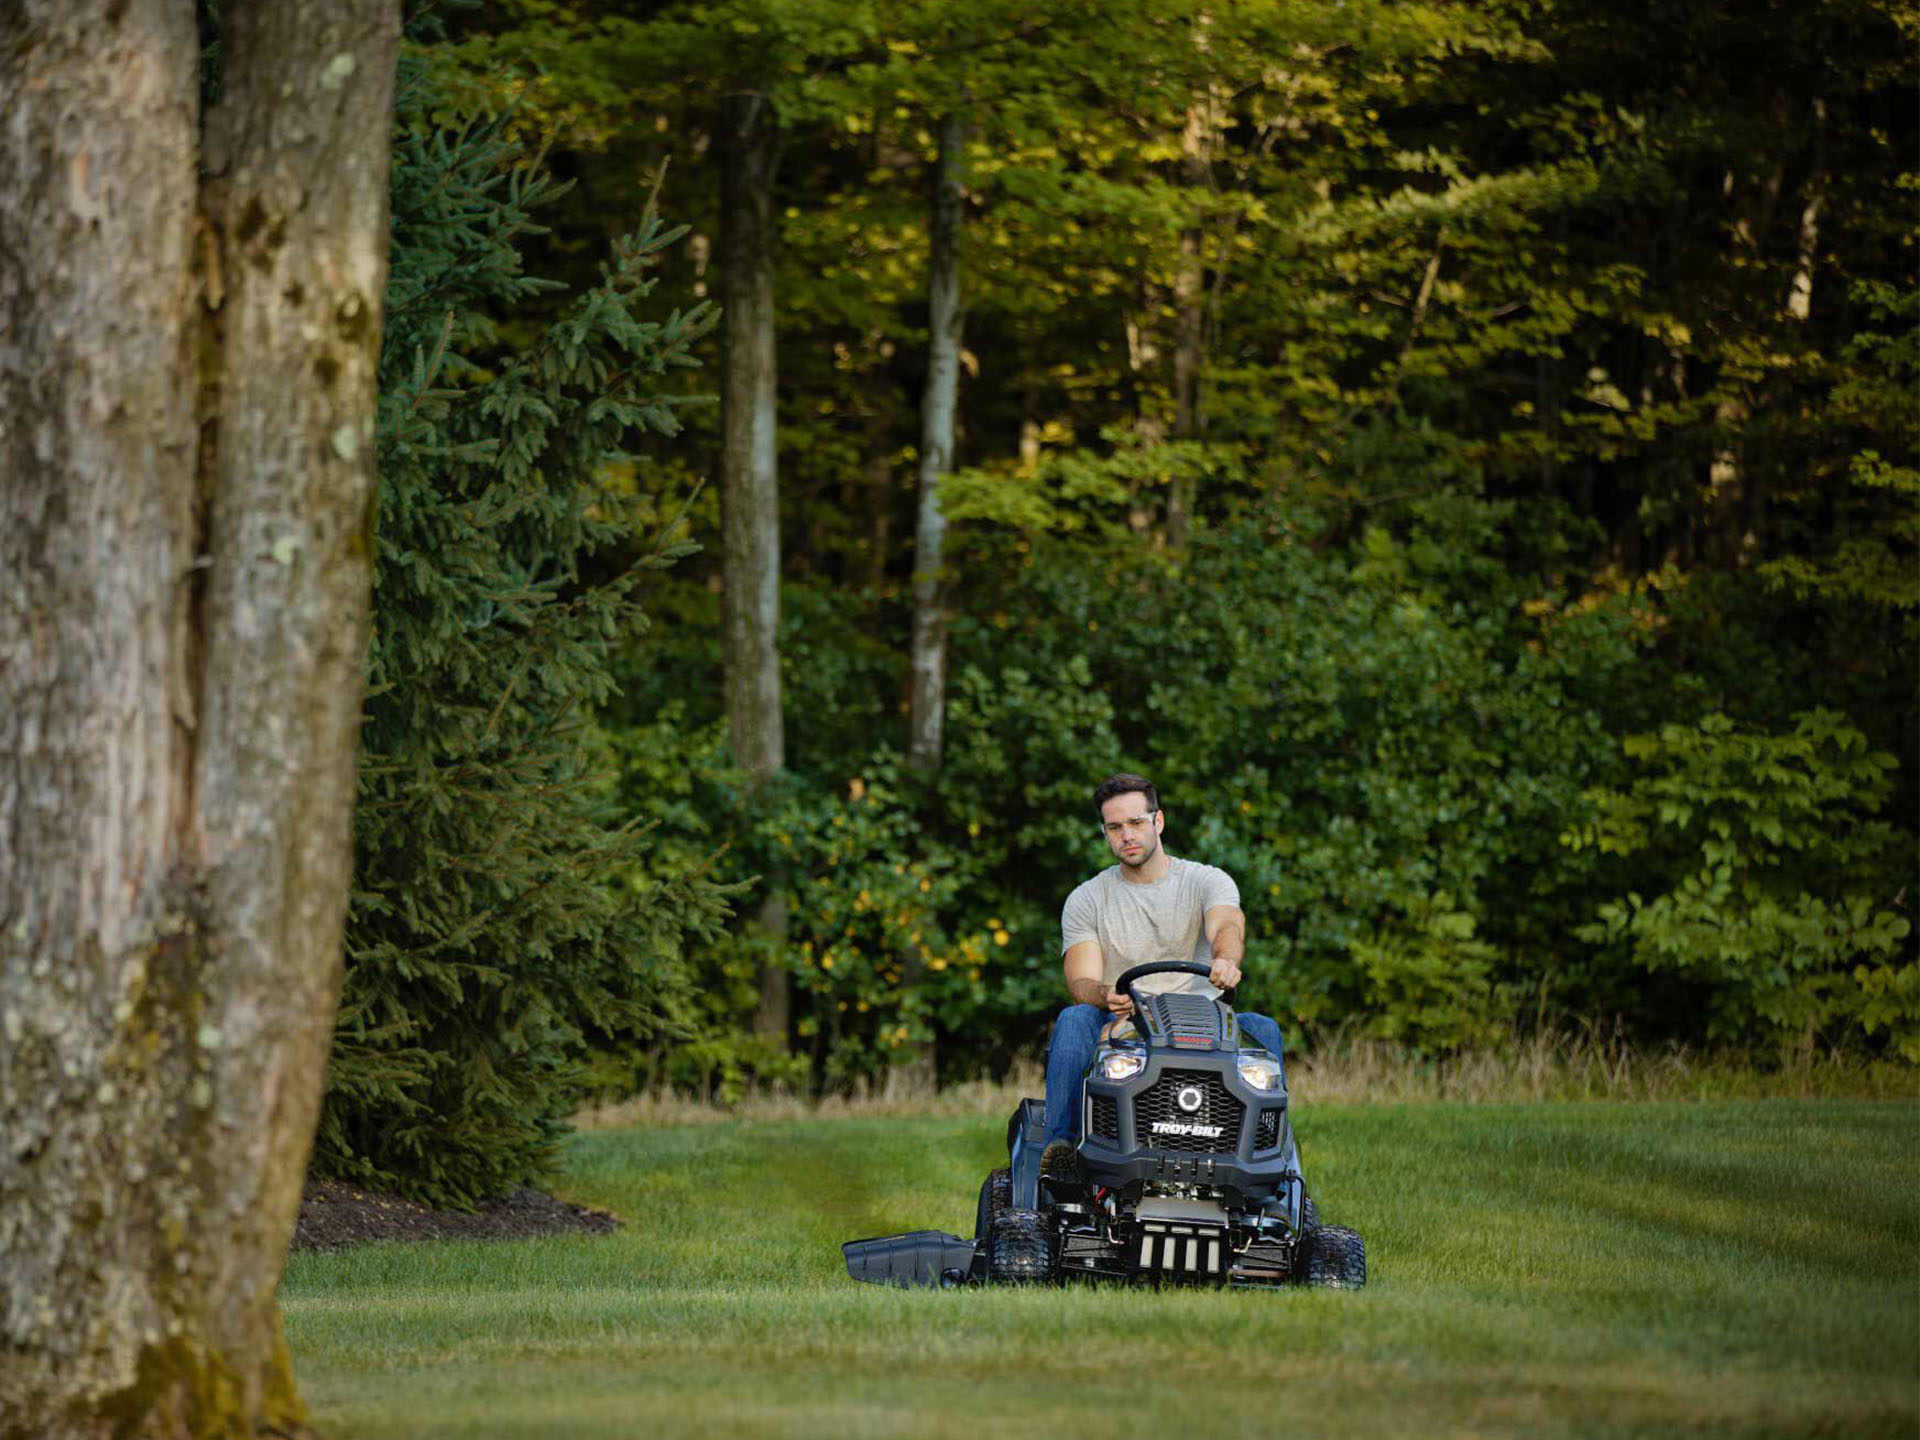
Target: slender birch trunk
[[1149, 420], [1800, 296], [1730, 484], [938, 410], [939, 406], [191, 311]]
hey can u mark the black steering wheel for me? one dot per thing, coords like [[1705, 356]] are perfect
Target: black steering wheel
[[1124, 985]]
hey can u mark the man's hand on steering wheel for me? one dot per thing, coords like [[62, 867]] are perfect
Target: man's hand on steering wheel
[[1120, 1005], [1225, 974]]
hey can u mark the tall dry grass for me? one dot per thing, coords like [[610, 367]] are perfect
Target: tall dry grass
[[1345, 1066], [1586, 1061], [969, 1097]]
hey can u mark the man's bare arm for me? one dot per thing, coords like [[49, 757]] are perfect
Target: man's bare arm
[[1227, 935], [1084, 965]]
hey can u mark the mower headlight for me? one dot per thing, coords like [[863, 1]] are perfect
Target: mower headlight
[[1260, 1074], [1122, 1064]]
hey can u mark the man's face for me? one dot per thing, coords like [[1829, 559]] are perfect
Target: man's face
[[1133, 830]]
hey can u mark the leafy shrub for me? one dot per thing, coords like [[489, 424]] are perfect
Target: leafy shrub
[[1758, 865], [1383, 765]]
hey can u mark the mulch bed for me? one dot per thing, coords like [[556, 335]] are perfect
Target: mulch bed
[[335, 1215]]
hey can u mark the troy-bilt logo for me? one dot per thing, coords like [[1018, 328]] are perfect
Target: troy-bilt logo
[[1182, 1127]]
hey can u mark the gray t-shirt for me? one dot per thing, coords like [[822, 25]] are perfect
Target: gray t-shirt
[[1142, 924]]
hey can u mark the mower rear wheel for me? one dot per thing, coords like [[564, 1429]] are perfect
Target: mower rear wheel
[[996, 1194], [1021, 1252], [1333, 1256]]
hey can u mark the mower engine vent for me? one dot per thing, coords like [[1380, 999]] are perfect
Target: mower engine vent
[[1190, 1022], [1162, 1123]]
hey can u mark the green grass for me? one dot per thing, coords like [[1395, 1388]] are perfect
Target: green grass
[[1746, 1269]]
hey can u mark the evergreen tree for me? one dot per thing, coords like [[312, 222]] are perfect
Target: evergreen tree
[[499, 917]]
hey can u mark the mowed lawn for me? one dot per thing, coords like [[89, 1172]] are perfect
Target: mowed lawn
[[1601, 1269]]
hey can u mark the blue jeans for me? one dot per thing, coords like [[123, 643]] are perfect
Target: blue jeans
[[1076, 1035]]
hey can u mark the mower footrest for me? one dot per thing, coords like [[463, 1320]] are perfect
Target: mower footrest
[[920, 1257]]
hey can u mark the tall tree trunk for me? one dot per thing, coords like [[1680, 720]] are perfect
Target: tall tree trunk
[[927, 701], [1149, 418], [1190, 302], [1729, 485], [1800, 296], [1799, 310], [750, 489], [186, 417]]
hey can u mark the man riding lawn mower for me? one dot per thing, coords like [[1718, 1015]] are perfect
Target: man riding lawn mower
[[1185, 1170]]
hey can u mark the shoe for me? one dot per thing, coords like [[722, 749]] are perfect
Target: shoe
[[1060, 1162]]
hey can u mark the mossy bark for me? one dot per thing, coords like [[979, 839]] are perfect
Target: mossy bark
[[182, 627]]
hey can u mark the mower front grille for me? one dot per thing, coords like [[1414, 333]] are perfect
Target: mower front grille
[[1105, 1124], [1161, 1123], [1266, 1130]]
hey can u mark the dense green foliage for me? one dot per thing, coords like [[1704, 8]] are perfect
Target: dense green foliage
[[1463, 452], [1418, 779], [497, 924], [1780, 874], [1536, 1271]]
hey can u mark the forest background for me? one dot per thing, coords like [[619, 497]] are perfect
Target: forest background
[[1465, 454]]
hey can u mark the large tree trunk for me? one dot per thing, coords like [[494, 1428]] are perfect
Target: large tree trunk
[[750, 487], [186, 406]]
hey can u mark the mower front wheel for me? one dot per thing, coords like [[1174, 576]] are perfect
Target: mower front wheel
[[1022, 1249], [1334, 1257]]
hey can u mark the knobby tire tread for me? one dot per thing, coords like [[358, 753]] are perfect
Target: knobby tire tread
[[1334, 1257], [1022, 1251]]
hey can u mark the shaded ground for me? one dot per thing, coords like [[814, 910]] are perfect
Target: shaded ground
[[335, 1215]]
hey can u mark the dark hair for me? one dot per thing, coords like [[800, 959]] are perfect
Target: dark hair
[[1124, 784]]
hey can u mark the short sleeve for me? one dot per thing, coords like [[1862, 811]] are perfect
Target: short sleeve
[[1077, 920], [1216, 889]]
